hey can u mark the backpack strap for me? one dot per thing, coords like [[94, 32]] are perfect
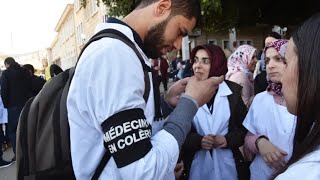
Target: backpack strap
[[112, 33]]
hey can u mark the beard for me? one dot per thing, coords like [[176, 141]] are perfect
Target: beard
[[154, 40]]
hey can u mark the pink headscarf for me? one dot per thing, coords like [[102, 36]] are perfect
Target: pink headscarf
[[239, 61]]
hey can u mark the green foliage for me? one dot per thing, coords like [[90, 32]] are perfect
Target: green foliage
[[217, 15], [117, 8], [120, 7]]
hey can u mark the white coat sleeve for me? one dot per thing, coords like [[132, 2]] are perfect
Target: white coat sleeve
[[304, 170], [112, 81], [250, 120]]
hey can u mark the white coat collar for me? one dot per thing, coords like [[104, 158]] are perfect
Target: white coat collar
[[224, 90]]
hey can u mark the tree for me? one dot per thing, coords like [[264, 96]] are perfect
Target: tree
[[213, 16], [220, 15]]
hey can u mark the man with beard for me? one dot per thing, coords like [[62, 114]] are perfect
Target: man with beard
[[109, 114]]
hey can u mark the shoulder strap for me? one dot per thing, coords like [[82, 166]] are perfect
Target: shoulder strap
[[112, 33]]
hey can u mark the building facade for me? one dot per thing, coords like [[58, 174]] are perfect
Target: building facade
[[77, 24], [74, 28]]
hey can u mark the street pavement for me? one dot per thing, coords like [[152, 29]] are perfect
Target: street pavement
[[9, 173]]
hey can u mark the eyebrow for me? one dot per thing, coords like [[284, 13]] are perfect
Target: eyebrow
[[202, 58], [277, 56]]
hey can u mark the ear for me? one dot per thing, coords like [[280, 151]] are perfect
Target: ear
[[163, 7]]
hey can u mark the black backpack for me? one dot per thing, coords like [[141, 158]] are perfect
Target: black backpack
[[43, 135]]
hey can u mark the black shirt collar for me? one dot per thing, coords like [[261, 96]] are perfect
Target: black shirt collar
[[136, 36]]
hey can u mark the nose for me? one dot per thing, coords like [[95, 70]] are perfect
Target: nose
[[197, 65], [177, 43], [271, 64]]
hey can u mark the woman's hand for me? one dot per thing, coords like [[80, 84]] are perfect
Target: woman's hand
[[271, 154], [220, 141], [207, 142]]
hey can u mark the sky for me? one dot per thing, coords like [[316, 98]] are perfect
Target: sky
[[28, 25]]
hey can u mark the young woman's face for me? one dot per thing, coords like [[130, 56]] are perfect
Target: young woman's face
[[290, 78], [201, 65], [275, 65], [253, 62]]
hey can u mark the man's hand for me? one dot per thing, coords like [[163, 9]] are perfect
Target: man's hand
[[203, 90], [207, 142], [174, 92], [271, 154]]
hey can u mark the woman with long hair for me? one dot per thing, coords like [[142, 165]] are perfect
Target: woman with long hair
[[301, 85]]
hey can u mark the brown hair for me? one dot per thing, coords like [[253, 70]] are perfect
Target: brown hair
[[307, 132]]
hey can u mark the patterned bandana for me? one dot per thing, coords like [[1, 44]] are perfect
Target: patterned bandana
[[239, 61], [281, 47]]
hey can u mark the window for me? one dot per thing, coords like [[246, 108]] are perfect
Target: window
[[212, 41], [79, 34], [104, 18], [93, 7], [225, 44], [244, 41], [77, 4]]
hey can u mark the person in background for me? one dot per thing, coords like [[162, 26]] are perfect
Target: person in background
[[188, 72], [211, 150], [260, 77], [160, 67], [15, 92], [300, 86], [55, 70], [46, 69], [4, 140], [241, 65], [268, 119], [174, 70], [4, 129], [180, 66], [36, 82]]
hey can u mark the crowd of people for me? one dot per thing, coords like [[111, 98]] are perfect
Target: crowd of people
[[249, 116], [18, 84]]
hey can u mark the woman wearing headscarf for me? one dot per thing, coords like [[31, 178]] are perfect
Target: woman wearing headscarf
[[241, 65], [211, 150], [260, 80], [270, 125]]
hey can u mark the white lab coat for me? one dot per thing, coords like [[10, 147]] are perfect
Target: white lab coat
[[109, 79], [268, 118], [307, 168], [220, 165]]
